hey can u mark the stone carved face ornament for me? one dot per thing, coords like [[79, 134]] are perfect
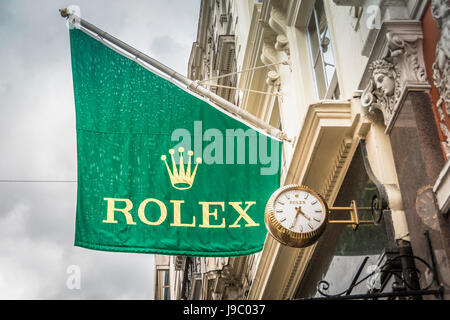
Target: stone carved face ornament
[[381, 92], [385, 83], [383, 75]]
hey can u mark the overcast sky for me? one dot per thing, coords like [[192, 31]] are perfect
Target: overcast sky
[[38, 142]]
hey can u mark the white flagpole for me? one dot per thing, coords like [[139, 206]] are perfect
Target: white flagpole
[[190, 84]]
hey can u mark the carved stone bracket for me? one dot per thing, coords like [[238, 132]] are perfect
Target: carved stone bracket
[[441, 68], [400, 69], [269, 56], [277, 23], [276, 48]]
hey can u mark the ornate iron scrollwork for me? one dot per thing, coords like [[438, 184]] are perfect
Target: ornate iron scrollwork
[[402, 286]]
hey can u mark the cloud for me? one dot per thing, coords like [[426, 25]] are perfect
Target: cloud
[[163, 46], [37, 139], [25, 264], [36, 245]]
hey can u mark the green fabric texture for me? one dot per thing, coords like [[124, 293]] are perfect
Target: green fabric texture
[[125, 117]]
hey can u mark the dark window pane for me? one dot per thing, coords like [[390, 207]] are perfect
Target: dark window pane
[[166, 294], [165, 277]]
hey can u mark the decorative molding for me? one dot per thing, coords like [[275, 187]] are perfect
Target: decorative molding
[[292, 275], [282, 43], [335, 171], [269, 56], [276, 44], [277, 23], [401, 69], [406, 51], [441, 67]]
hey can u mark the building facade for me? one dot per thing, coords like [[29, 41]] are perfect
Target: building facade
[[362, 87]]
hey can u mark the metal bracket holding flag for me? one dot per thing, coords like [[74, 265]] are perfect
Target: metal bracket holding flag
[[164, 168]]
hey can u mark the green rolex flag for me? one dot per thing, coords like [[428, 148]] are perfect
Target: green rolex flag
[[161, 170]]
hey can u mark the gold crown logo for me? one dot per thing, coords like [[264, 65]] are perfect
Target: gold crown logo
[[181, 179]]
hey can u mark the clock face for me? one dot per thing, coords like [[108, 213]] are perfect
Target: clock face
[[299, 211], [296, 215]]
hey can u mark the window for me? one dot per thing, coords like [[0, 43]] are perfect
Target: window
[[163, 279], [321, 51]]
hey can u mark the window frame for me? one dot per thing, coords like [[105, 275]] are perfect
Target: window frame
[[330, 85], [163, 286]]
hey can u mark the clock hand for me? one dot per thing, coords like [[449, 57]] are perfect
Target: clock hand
[[296, 216], [299, 210]]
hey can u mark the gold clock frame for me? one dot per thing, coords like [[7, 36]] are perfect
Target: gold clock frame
[[305, 239], [288, 237]]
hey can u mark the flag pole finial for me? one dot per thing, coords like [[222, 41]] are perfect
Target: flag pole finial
[[64, 12]]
